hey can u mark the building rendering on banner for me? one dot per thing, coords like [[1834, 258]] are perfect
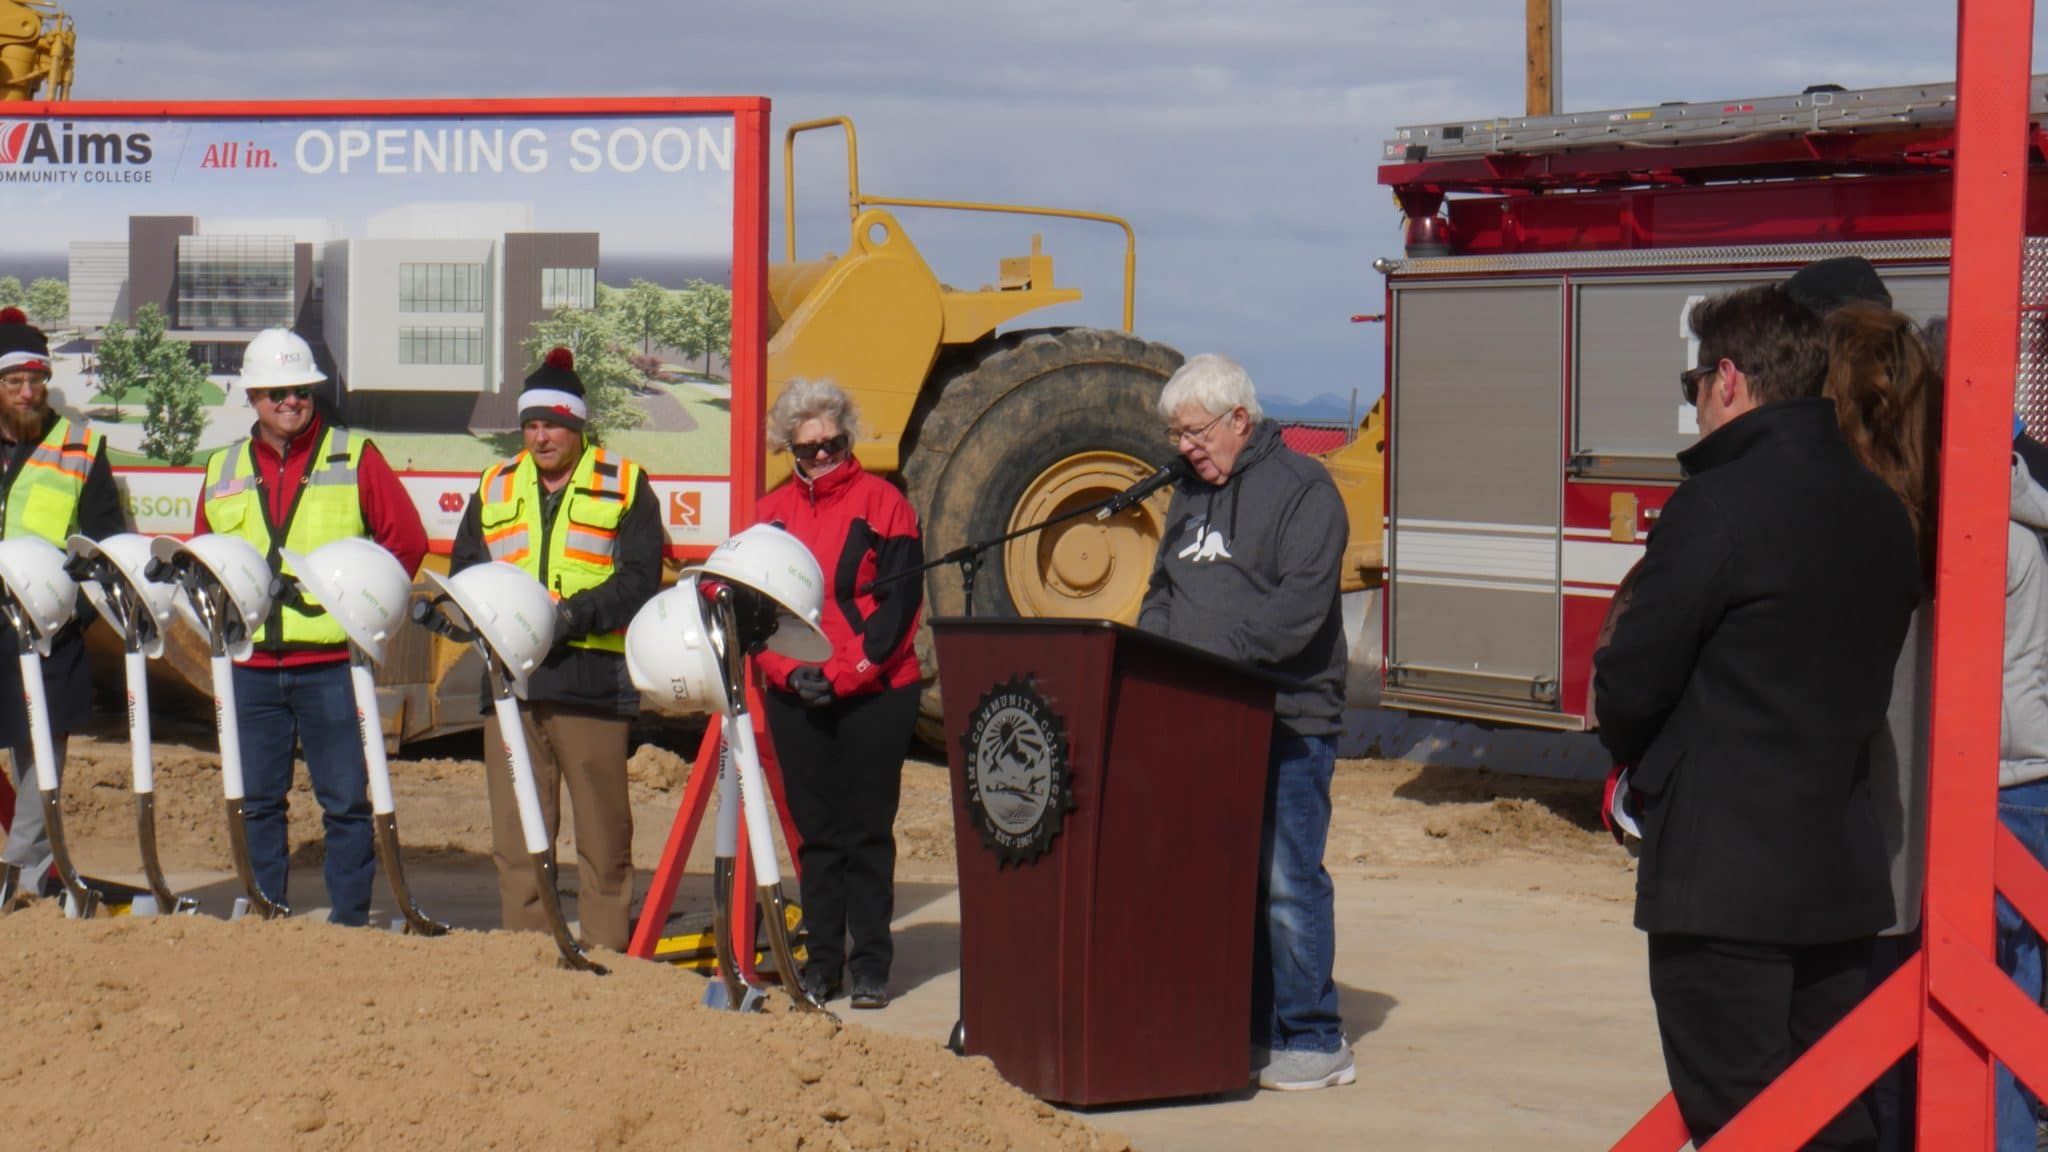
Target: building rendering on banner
[[421, 321]]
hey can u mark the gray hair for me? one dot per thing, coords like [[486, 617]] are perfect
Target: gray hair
[[803, 400], [1214, 383]]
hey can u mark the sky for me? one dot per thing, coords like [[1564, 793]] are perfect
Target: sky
[[1241, 140]]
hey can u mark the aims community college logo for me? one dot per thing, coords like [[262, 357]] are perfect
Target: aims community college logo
[[47, 142], [1015, 762]]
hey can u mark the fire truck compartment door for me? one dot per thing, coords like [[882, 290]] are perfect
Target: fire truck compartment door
[[1478, 401]]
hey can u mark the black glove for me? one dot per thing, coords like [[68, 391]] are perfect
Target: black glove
[[810, 685], [570, 623]]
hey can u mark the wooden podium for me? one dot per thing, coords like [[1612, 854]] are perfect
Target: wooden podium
[[1107, 793]]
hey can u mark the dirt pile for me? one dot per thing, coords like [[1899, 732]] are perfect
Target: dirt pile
[[184, 1031]]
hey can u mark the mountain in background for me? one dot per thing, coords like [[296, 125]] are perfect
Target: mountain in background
[[1328, 406]]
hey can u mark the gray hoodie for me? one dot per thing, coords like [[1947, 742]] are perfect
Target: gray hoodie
[[1249, 569], [2023, 722]]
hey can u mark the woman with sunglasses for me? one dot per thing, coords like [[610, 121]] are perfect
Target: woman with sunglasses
[[841, 729]]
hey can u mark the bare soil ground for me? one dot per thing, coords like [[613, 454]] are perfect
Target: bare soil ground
[[194, 1031]]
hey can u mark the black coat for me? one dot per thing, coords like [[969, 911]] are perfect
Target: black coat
[[1747, 677]]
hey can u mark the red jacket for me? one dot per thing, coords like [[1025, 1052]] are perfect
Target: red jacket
[[388, 512], [860, 528]]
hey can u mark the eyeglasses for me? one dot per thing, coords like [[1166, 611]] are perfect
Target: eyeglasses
[[1175, 435], [812, 449], [276, 394], [1689, 381], [23, 381]]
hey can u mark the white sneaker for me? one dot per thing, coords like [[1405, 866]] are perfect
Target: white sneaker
[[1300, 1071]]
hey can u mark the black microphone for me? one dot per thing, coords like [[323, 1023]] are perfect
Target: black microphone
[[1170, 473]]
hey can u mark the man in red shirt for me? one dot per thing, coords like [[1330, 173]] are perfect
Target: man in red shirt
[[299, 481]]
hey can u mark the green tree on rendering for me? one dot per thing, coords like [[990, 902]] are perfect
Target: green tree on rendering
[[646, 310], [12, 295], [601, 345], [704, 322], [171, 383], [48, 301]]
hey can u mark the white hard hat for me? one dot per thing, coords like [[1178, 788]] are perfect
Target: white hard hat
[[777, 565], [278, 358], [669, 653], [362, 586], [509, 608], [129, 554], [32, 570], [241, 572]]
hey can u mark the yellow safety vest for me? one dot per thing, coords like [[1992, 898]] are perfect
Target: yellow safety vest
[[327, 507], [43, 500], [579, 545]]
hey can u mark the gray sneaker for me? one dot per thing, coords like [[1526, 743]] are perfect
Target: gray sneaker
[[1298, 1071]]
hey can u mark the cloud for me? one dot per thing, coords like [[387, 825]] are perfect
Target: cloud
[[1242, 140]]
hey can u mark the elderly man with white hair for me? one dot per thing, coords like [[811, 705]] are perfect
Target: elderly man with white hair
[[1249, 570]]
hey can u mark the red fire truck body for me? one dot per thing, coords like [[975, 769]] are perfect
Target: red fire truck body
[[1536, 333]]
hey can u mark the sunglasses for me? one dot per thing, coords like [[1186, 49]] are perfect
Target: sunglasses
[[276, 394], [812, 449], [1689, 381]]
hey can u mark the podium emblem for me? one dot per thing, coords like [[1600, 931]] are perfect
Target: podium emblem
[[1016, 767]]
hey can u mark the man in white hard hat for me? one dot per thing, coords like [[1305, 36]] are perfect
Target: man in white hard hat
[[583, 521], [298, 481], [69, 489]]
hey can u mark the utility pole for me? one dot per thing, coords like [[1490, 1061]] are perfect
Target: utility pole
[[1545, 93]]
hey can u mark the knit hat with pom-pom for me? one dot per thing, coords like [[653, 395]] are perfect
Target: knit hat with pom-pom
[[554, 392], [22, 344]]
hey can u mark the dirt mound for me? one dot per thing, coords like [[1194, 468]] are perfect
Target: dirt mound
[[1393, 812], [185, 1031]]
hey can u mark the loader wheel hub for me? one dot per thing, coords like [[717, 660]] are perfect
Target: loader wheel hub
[[1082, 567], [1080, 561]]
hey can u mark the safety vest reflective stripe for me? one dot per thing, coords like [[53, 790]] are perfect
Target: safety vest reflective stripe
[[512, 541], [43, 500], [336, 467], [233, 479]]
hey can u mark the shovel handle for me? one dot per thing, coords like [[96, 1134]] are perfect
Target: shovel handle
[[370, 729], [739, 730], [228, 727], [141, 763], [520, 761], [35, 699]]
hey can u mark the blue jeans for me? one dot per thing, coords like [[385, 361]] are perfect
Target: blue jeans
[[313, 708], [2024, 809], [1294, 998]]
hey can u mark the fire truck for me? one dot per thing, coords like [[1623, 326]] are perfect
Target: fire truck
[[1536, 329]]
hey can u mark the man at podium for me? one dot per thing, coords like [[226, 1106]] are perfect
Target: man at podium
[[1248, 569]]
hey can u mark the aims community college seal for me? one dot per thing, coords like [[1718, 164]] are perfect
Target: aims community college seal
[[1015, 763]]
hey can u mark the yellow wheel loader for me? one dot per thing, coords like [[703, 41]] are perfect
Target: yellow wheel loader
[[990, 430]]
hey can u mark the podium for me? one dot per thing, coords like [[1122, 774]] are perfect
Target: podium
[[1107, 793]]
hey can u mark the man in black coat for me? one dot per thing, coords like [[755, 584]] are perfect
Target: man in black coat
[[1745, 682]]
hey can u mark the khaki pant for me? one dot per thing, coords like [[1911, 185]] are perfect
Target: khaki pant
[[589, 752]]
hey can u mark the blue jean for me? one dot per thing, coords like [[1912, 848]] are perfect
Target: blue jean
[[314, 708], [2024, 809], [1294, 997]]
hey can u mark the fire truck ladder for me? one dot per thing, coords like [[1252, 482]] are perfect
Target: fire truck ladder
[[1823, 108]]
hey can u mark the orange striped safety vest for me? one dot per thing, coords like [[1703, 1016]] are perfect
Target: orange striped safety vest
[[575, 552]]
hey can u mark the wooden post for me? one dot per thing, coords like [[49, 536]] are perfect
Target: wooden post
[[1542, 63]]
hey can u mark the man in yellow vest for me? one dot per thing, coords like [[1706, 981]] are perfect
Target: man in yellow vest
[[54, 481], [583, 520], [297, 481]]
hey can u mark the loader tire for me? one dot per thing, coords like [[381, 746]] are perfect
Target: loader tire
[[1023, 427]]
